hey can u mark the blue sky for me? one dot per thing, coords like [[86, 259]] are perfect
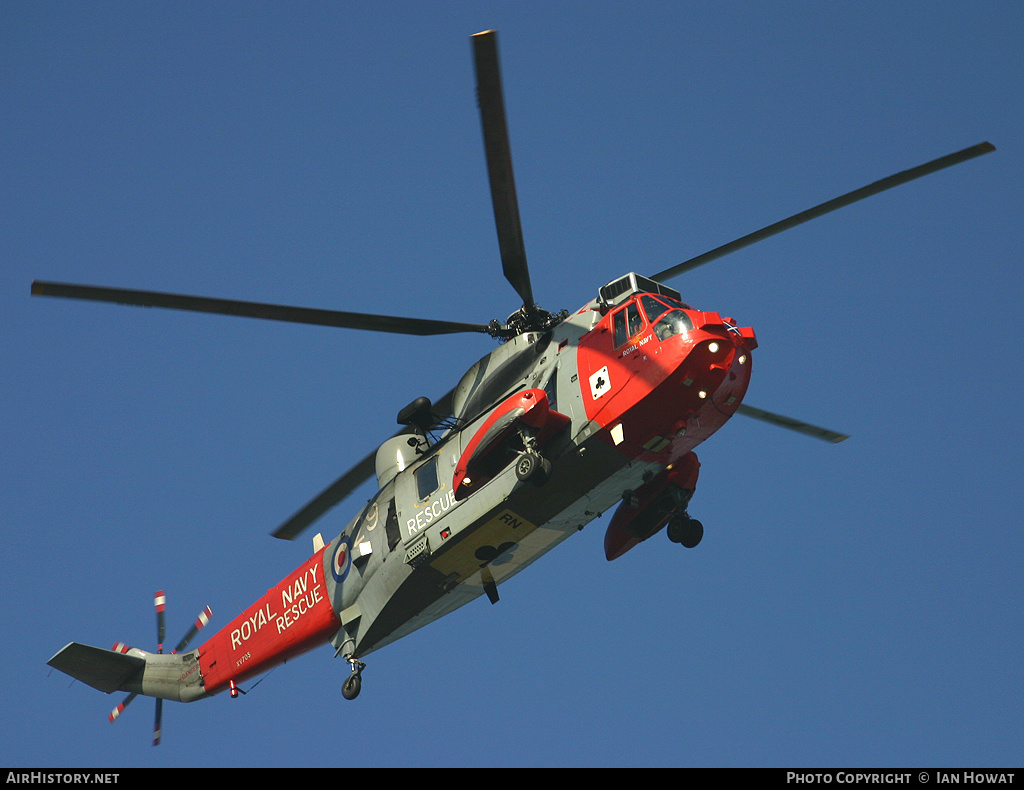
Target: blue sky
[[850, 605]]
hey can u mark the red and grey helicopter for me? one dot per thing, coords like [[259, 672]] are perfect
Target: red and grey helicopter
[[570, 416]]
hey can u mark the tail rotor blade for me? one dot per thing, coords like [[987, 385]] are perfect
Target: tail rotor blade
[[157, 725], [121, 647], [197, 626], [120, 708], [160, 601]]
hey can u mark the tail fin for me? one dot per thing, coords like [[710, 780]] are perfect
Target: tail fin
[[105, 670], [173, 676]]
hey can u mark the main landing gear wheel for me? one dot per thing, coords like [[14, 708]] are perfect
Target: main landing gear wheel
[[533, 467], [685, 530], [350, 688]]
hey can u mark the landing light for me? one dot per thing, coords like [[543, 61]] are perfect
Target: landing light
[[743, 359], [702, 394], [713, 348]]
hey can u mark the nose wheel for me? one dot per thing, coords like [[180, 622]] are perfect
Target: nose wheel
[[350, 688]]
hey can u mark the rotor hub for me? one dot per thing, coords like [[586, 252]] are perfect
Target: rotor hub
[[523, 320]]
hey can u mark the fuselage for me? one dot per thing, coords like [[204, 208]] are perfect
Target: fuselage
[[614, 395]]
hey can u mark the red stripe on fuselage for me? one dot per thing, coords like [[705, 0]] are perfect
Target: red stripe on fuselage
[[293, 617]]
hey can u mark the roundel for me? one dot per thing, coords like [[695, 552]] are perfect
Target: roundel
[[342, 559]]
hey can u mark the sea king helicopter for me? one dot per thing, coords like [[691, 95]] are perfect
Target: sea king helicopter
[[571, 416]]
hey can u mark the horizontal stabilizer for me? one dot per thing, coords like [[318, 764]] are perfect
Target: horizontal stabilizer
[[102, 669]]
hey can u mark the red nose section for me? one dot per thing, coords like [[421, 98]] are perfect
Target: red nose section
[[664, 389]]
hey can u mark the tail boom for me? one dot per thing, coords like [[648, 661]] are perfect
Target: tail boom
[[292, 618]]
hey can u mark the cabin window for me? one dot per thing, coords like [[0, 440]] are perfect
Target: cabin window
[[391, 525], [551, 388], [426, 478], [626, 323]]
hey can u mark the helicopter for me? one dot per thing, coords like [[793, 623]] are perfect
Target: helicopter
[[571, 416]]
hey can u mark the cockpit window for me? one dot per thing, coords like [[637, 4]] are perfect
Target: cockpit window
[[653, 307], [674, 302], [674, 322], [626, 323]]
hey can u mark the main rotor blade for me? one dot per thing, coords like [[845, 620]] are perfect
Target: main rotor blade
[[790, 424], [499, 165], [828, 206], [349, 482], [300, 315], [327, 498]]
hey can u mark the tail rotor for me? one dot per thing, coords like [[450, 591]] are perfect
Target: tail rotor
[[160, 603]]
